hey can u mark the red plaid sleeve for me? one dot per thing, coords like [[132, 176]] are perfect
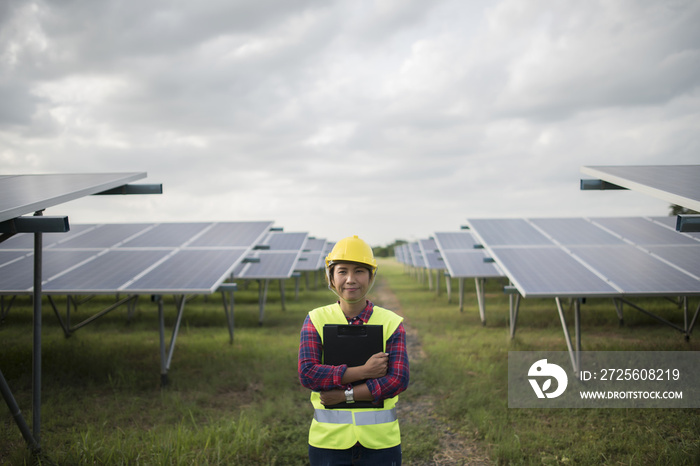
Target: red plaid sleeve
[[396, 379], [312, 374]]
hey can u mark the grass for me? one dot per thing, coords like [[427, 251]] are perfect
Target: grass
[[241, 403]]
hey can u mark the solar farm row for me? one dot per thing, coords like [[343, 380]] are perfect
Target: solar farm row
[[181, 258]]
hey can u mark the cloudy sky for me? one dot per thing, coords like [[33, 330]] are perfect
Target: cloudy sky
[[386, 118]]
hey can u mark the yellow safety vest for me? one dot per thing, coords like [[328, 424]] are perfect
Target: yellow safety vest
[[340, 429]]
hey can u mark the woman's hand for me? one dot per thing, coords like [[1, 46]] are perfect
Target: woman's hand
[[332, 397], [376, 366]]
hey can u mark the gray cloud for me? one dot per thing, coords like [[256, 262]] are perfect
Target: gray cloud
[[385, 118]]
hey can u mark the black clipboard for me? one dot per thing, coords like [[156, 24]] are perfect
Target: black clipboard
[[352, 345]]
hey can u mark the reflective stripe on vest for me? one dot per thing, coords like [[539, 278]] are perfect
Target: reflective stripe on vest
[[362, 418]]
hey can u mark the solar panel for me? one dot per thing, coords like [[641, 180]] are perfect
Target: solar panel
[[460, 240], [18, 277], [417, 259], [469, 264], [461, 259], [272, 266], [232, 234], [106, 273], [686, 257], [105, 236], [511, 232], [284, 241], [590, 257], [179, 258], [643, 231], [199, 271], [638, 273], [311, 258], [23, 194], [431, 255], [677, 184], [550, 272], [575, 231], [169, 235]]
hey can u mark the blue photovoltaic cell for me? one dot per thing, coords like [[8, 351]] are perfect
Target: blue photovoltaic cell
[[10, 256], [508, 232], [279, 241], [549, 271], [637, 272], [104, 258], [309, 261], [431, 255], [642, 231], [106, 273], [166, 235], [469, 264], [575, 231], [272, 265], [433, 260], [232, 234], [49, 240], [417, 259], [315, 244], [685, 257], [189, 271], [455, 240], [104, 236], [19, 276]]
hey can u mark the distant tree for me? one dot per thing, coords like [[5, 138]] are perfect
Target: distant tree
[[680, 210], [387, 251]]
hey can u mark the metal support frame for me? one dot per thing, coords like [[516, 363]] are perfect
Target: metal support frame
[[17, 414], [282, 294], [437, 282], [480, 284], [228, 288], [130, 300], [448, 286], [687, 328], [513, 310], [36, 348], [461, 294], [618, 310], [167, 356], [5, 307], [262, 298], [687, 223], [574, 353]]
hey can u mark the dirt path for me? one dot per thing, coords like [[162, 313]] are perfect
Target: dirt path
[[453, 448]]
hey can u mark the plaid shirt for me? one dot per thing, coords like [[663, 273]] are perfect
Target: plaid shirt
[[321, 377]]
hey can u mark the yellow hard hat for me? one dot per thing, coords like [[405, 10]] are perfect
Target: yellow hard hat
[[352, 249]]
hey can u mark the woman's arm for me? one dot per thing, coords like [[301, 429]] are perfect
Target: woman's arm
[[312, 374], [396, 379]]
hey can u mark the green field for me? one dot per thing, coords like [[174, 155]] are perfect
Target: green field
[[242, 403]]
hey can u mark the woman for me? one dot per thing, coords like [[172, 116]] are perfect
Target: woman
[[363, 435]]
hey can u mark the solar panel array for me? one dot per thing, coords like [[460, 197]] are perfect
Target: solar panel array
[[587, 257], [461, 258], [276, 259], [182, 258], [312, 256]]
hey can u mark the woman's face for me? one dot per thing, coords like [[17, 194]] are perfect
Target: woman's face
[[351, 281]]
